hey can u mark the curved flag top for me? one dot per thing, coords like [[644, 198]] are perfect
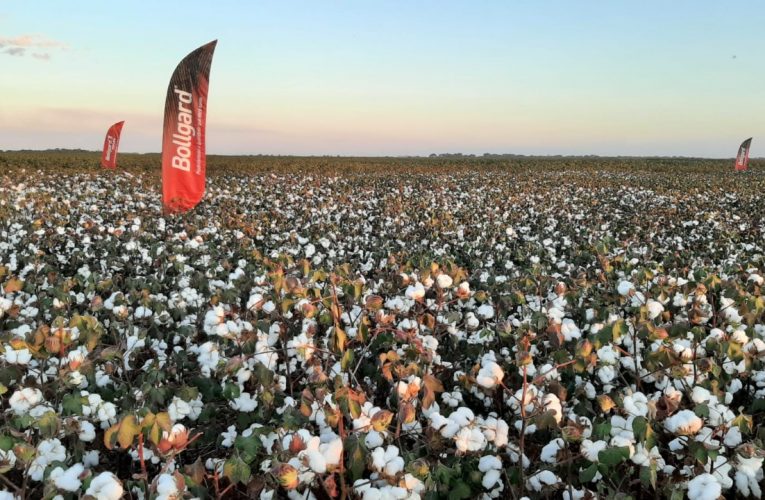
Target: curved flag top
[[111, 144], [742, 158], [183, 139]]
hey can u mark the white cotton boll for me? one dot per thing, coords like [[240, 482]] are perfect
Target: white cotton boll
[[551, 449], [606, 374], [552, 403], [16, 357], [756, 278], [468, 439], [490, 479], [415, 292], [704, 487], [23, 400], [607, 355], [105, 486], [374, 439], [749, 475], [636, 404], [591, 449], [167, 489], [143, 312], [739, 337], [486, 311], [255, 302], [90, 458], [569, 330], [624, 288], [244, 403], [69, 480], [490, 375], [541, 479], [654, 308], [684, 423], [269, 307], [444, 281], [755, 348], [5, 494], [489, 462], [333, 451], [732, 437], [700, 395], [87, 431], [316, 461]]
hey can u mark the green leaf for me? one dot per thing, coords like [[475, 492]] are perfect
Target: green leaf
[[248, 447], [648, 475], [614, 456], [356, 457], [639, 427], [347, 360], [72, 404], [460, 491], [231, 391], [236, 470], [6, 443], [602, 430], [187, 393], [48, 424], [701, 411], [758, 405], [588, 474]]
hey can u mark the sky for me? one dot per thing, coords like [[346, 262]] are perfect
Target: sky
[[649, 77]]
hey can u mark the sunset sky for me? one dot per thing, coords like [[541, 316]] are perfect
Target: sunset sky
[[683, 77]]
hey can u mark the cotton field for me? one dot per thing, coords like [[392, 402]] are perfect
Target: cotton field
[[492, 330]]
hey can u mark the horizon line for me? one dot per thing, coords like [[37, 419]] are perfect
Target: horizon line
[[424, 156]]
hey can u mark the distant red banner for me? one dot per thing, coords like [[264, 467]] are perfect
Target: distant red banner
[[742, 158], [111, 144], [183, 142]]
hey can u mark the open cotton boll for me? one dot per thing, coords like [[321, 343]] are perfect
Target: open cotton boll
[[23, 400], [636, 404], [541, 479], [486, 311], [105, 486], [749, 476], [490, 374], [69, 479], [624, 288], [591, 449], [167, 488], [489, 462], [332, 451], [552, 403], [387, 460], [569, 330], [444, 280], [654, 308], [490, 478], [470, 439], [415, 292], [683, 423], [16, 357], [704, 487], [550, 450]]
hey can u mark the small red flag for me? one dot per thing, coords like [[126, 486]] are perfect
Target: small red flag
[[742, 158], [111, 144]]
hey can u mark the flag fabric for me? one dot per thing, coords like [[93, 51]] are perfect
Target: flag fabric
[[111, 144], [183, 140], [742, 158]]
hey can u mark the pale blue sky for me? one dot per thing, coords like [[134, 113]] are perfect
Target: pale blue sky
[[393, 77]]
